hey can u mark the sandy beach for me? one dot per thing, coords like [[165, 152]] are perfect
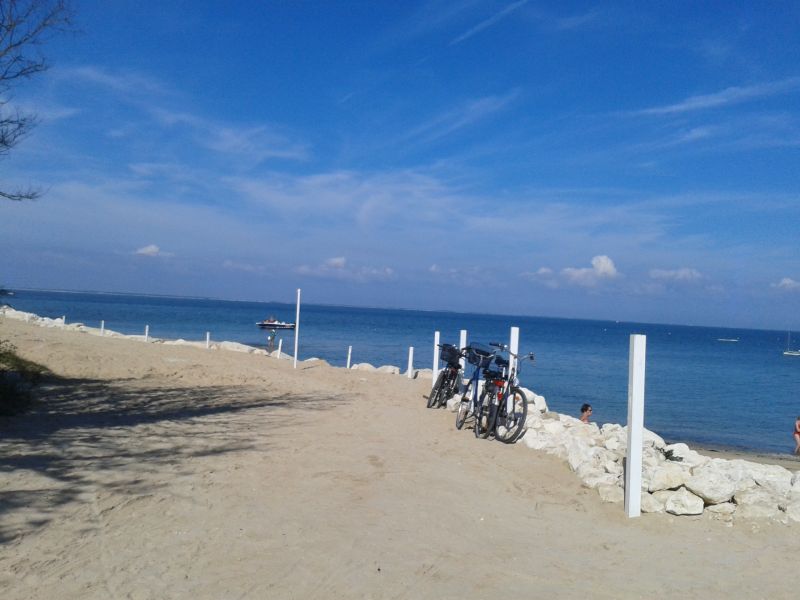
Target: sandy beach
[[156, 471]]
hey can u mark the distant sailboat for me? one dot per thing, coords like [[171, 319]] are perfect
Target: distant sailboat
[[789, 351]]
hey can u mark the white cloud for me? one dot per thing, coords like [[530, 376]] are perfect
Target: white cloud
[[683, 274], [337, 262], [544, 276], [486, 23], [602, 268], [731, 95], [237, 266], [787, 283], [336, 268], [151, 250]]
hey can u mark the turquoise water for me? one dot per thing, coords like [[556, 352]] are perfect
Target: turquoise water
[[699, 390]]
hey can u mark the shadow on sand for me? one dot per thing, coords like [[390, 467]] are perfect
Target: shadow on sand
[[85, 436]]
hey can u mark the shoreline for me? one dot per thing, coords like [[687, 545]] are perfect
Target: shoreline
[[787, 461]]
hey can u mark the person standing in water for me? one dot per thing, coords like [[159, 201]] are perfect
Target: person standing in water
[[586, 412], [796, 434]]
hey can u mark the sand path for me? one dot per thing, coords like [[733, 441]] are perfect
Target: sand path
[[152, 471]]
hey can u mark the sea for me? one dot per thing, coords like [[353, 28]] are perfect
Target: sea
[[716, 388]]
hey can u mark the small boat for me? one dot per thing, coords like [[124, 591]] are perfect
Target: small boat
[[273, 323], [789, 351], [727, 339]]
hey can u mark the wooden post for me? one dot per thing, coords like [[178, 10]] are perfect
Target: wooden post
[[435, 373], [280, 346], [513, 346], [102, 327], [297, 328], [410, 372], [349, 353], [633, 461], [146, 332], [208, 340]]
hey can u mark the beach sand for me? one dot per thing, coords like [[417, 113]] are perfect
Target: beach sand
[[155, 471]]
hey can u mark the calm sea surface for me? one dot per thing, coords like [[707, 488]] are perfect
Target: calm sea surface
[[700, 390]]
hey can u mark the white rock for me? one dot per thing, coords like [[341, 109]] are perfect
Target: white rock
[[683, 502], [688, 456], [363, 367], [711, 485], [793, 511], [772, 477], [595, 480], [651, 504], [390, 369], [725, 509], [611, 493], [236, 347], [553, 427], [452, 403], [667, 476]]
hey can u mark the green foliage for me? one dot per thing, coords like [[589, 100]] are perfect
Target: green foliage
[[17, 376]]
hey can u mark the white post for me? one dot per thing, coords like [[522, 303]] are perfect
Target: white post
[[349, 354], [297, 328], [513, 346], [280, 346], [102, 327], [208, 340], [435, 358], [146, 332], [462, 342], [633, 462], [410, 372], [63, 320]]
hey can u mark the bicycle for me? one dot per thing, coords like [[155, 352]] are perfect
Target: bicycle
[[449, 378], [504, 406], [480, 357]]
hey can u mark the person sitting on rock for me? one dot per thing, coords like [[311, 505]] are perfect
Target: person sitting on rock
[[796, 434], [586, 412]]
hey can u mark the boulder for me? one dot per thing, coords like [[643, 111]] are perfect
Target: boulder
[[667, 476], [711, 485], [793, 510], [651, 504], [363, 367], [686, 455], [390, 369], [772, 477], [611, 493], [683, 502], [235, 347]]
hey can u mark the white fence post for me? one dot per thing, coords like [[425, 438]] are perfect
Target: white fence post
[[462, 342], [102, 327], [410, 372], [63, 320], [435, 358], [208, 340], [146, 333], [280, 346], [633, 461], [513, 346], [349, 354], [297, 328]]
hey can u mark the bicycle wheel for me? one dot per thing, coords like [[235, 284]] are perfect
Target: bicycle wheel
[[449, 388], [463, 407], [511, 425], [483, 424], [433, 397]]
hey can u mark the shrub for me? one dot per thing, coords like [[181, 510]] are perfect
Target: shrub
[[17, 376]]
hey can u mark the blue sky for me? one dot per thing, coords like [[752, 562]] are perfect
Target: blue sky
[[620, 160]]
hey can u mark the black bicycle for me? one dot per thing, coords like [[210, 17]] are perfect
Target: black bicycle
[[447, 383], [504, 406]]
